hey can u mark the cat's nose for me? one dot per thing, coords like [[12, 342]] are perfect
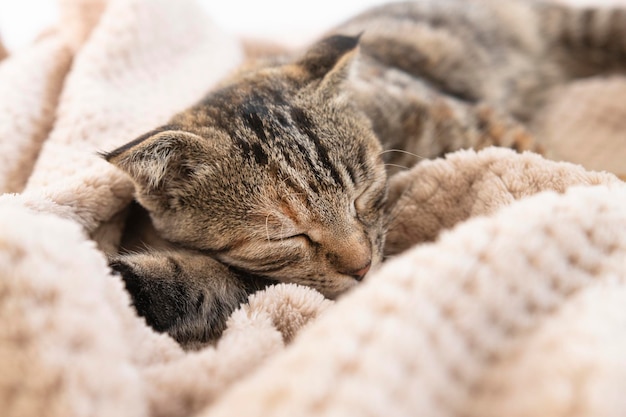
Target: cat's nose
[[360, 273], [350, 254]]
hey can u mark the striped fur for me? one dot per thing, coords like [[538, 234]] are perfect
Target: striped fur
[[279, 175]]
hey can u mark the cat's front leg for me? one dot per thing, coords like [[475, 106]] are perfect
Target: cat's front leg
[[184, 293]]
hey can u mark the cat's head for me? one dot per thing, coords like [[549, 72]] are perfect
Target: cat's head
[[276, 174]]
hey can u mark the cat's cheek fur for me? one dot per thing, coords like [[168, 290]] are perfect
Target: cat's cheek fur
[[337, 286]]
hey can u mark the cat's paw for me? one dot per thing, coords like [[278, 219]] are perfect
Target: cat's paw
[[153, 297], [185, 294]]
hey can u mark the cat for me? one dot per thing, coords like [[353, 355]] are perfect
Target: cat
[[280, 173]]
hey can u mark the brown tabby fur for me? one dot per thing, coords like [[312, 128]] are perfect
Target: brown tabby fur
[[279, 174]]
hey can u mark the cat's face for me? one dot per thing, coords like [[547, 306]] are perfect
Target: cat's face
[[275, 174]]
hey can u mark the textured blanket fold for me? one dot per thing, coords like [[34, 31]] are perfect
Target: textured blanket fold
[[3, 51], [503, 293]]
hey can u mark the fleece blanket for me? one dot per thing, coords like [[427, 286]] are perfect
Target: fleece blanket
[[503, 294]]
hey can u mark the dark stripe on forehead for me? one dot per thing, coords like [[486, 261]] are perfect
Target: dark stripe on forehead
[[304, 125], [313, 186], [254, 122], [242, 144], [260, 156], [249, 147], [307, 158], [290, 149], [251, 150]]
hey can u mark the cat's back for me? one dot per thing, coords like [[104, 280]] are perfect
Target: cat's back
[[482, 23], [466, 48]]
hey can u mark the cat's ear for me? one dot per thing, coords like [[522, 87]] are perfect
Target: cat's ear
[[157, 157], [330, 60]]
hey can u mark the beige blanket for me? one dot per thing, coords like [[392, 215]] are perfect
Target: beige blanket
[[504, 296]]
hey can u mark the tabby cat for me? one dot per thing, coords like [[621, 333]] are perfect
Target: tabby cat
[[279, 175]]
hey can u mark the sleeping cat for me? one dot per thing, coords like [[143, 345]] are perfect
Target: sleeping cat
[[280, 174]]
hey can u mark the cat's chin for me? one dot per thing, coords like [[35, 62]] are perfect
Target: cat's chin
[[345, 284]]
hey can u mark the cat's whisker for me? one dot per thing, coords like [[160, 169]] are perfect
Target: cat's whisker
[[267, 229], [133, 252], [404, 152], [146, 245], [396, 166]]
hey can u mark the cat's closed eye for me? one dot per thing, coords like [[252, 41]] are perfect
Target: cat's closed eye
[[298, 237], [303, 237]]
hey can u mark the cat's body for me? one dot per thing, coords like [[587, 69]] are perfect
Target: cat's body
[[278, 175]]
